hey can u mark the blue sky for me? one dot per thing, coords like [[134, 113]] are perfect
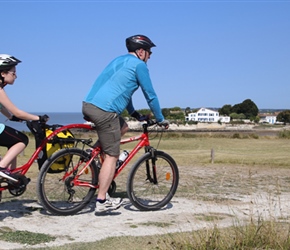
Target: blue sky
[[208, 54]]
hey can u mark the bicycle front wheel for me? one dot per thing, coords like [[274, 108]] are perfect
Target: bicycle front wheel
[[67, 192], [152, 181]]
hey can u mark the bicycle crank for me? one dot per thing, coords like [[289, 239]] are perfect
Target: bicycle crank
[[19, 187]]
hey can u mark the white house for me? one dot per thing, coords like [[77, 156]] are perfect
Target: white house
[[207, 115], [271, 119]]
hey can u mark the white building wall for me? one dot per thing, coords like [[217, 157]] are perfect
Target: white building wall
[[206, 115], [269, 119]]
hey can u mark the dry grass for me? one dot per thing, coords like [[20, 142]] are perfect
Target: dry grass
[[242, 165], [191, 150]]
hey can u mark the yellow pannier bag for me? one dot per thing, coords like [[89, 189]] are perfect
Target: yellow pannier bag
[[63, 139]]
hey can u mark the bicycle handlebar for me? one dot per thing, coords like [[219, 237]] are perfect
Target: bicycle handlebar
[[152, 122]]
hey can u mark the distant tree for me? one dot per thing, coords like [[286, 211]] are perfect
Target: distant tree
[[177, 116], [176, 109], [187, 110], [176, 113], [225, 110], [247, 107], [256, 119], [166, 112], [125, 113], [237, 116], [141, 111], [144, 111], [284, 116], [236, 108]]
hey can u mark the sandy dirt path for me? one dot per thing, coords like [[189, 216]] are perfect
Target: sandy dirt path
[[231, 196]]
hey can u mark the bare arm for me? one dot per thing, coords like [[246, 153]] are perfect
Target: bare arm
[[9, 108], [5, 112]]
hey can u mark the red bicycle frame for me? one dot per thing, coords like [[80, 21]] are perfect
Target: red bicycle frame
[[143, 142], [24, 168]]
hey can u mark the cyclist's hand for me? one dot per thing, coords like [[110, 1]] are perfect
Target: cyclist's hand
[[15, 119], [144, 118], [164, 123], [140, 117], [43, 118]]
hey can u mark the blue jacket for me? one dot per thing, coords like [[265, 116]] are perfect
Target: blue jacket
[[113, 89]]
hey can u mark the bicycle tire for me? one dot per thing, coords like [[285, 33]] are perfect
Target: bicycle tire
[[112, 188], [143, 193], [59, 196]]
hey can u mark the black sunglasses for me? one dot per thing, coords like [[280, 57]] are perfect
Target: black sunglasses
[[149, 51]]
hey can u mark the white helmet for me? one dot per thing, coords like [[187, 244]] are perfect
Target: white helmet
[[7, 62]]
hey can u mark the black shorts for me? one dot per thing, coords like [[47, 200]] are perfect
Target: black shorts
[[10, 136]]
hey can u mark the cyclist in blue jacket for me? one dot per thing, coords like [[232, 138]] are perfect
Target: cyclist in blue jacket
[[109, 96]]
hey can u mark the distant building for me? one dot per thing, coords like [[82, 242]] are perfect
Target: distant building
[[207, 115], [271, 119]]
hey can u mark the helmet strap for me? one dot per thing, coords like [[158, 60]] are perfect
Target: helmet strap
[[2, 83], [138, 56]]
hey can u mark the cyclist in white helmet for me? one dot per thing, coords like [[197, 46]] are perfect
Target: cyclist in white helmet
[[14, 140], [109, 96]]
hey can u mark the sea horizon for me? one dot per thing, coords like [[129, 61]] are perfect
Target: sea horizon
[[61, 118]]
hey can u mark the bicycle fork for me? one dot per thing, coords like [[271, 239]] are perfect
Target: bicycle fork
[[151, 176]]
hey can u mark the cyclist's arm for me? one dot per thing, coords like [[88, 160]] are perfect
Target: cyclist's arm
[[148, 91], [12, 109], [130, 108], [5, 112]]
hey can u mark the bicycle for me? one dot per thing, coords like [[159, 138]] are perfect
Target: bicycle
[[19, 187], [151, 183]]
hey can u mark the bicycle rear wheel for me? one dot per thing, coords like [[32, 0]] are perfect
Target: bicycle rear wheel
[[152, 181], [61, 193]]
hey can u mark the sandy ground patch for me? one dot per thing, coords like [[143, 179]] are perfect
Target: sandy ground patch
[[231, 195]]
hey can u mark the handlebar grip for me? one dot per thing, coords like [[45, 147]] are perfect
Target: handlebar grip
[[151, 122]]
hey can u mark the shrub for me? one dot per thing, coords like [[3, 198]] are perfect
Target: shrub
[[284, 134]]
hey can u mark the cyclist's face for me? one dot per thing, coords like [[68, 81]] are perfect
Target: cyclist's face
[[9, 76], [145, 55]]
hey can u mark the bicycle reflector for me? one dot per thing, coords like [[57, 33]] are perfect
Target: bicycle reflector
[[167, 176]]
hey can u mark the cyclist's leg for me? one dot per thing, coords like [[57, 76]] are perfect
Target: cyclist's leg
[[123, 125], [124, 128], [108, 128], [16, 142]]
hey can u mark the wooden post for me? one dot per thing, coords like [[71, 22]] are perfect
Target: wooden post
[[212, 155]]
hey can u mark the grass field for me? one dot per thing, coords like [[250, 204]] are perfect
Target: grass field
[[211, 166]]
